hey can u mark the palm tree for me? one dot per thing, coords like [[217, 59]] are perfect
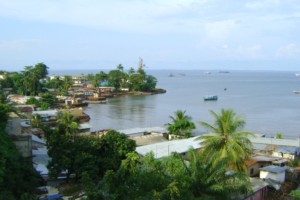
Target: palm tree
[[226, 140], [181, 125], [68, 124], [211, 181]]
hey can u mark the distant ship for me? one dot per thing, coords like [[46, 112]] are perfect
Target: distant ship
[[297, 74], [296, 91], [224, 72], [211, 98], [171, 75]]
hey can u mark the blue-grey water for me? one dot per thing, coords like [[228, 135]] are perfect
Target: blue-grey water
[[264, 98]]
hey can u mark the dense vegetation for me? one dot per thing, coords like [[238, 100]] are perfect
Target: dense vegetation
[[17, 176], [69, 151], [33, 80]]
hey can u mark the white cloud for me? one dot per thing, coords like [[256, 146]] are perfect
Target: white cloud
[[129, 16], [262, 4], [219, 31], [289, 50]]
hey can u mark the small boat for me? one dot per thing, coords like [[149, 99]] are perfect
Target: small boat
[[297, 74], [211, 98], [296, 91], [171, 75]]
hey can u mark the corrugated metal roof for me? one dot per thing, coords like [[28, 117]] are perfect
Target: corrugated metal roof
[[166, 148]]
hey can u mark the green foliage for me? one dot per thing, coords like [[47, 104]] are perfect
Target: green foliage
[[294, 162], [278, 136], [69, 152], [181, 124], [31, 77], [36, 121], [169, 178], [115, 78], [45, 106], [4, 109], [33, 101], [16, 174], [48, 100], [295, 194], [226, 141]]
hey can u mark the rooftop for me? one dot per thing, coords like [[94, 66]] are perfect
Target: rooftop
[[273, 169]]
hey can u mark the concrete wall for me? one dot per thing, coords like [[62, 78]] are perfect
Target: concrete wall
[[23, 144], [13, 126]]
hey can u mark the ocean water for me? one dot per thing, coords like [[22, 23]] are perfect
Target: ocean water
[[264, 98]]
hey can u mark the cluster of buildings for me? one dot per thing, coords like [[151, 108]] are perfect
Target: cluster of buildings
[[267, 166]]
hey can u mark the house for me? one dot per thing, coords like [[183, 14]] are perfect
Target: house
[[47, 115], [105, 89], [252, 167], [163, 149], [259, 189], [272, 172], [17, 99], [25, 109], [286, 152]]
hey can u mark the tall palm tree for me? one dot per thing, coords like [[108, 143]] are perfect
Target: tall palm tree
[[226, 140], [211, 181], [181, 125], [68, 124]]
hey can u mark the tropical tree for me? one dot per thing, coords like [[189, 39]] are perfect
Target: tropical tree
[[214, 181], [227, 140], [17, 177], [67, 122], [278, 136], [181, 124], [115, 78]]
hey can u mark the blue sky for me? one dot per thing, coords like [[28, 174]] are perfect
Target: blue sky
[[167, 34]]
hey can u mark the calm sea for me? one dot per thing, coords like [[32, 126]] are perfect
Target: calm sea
[[264, 98]]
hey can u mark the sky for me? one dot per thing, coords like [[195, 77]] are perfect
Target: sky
[[167, 34]]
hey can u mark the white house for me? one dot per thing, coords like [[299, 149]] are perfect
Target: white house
[[273, 172]]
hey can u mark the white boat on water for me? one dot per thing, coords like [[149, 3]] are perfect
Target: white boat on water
[[297, 74]]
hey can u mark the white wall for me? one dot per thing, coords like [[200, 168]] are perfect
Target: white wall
[[280, 177]]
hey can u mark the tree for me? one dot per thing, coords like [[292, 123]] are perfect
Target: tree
[[49, 100], [149, 84], [278, 136], [4, 109], [181, 124], [17, 176], [214, 181], [98, 154], [169, 178], [67, 122], [115, 78], [33, 101], [41, 70], [144, 178], [226, 140]]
